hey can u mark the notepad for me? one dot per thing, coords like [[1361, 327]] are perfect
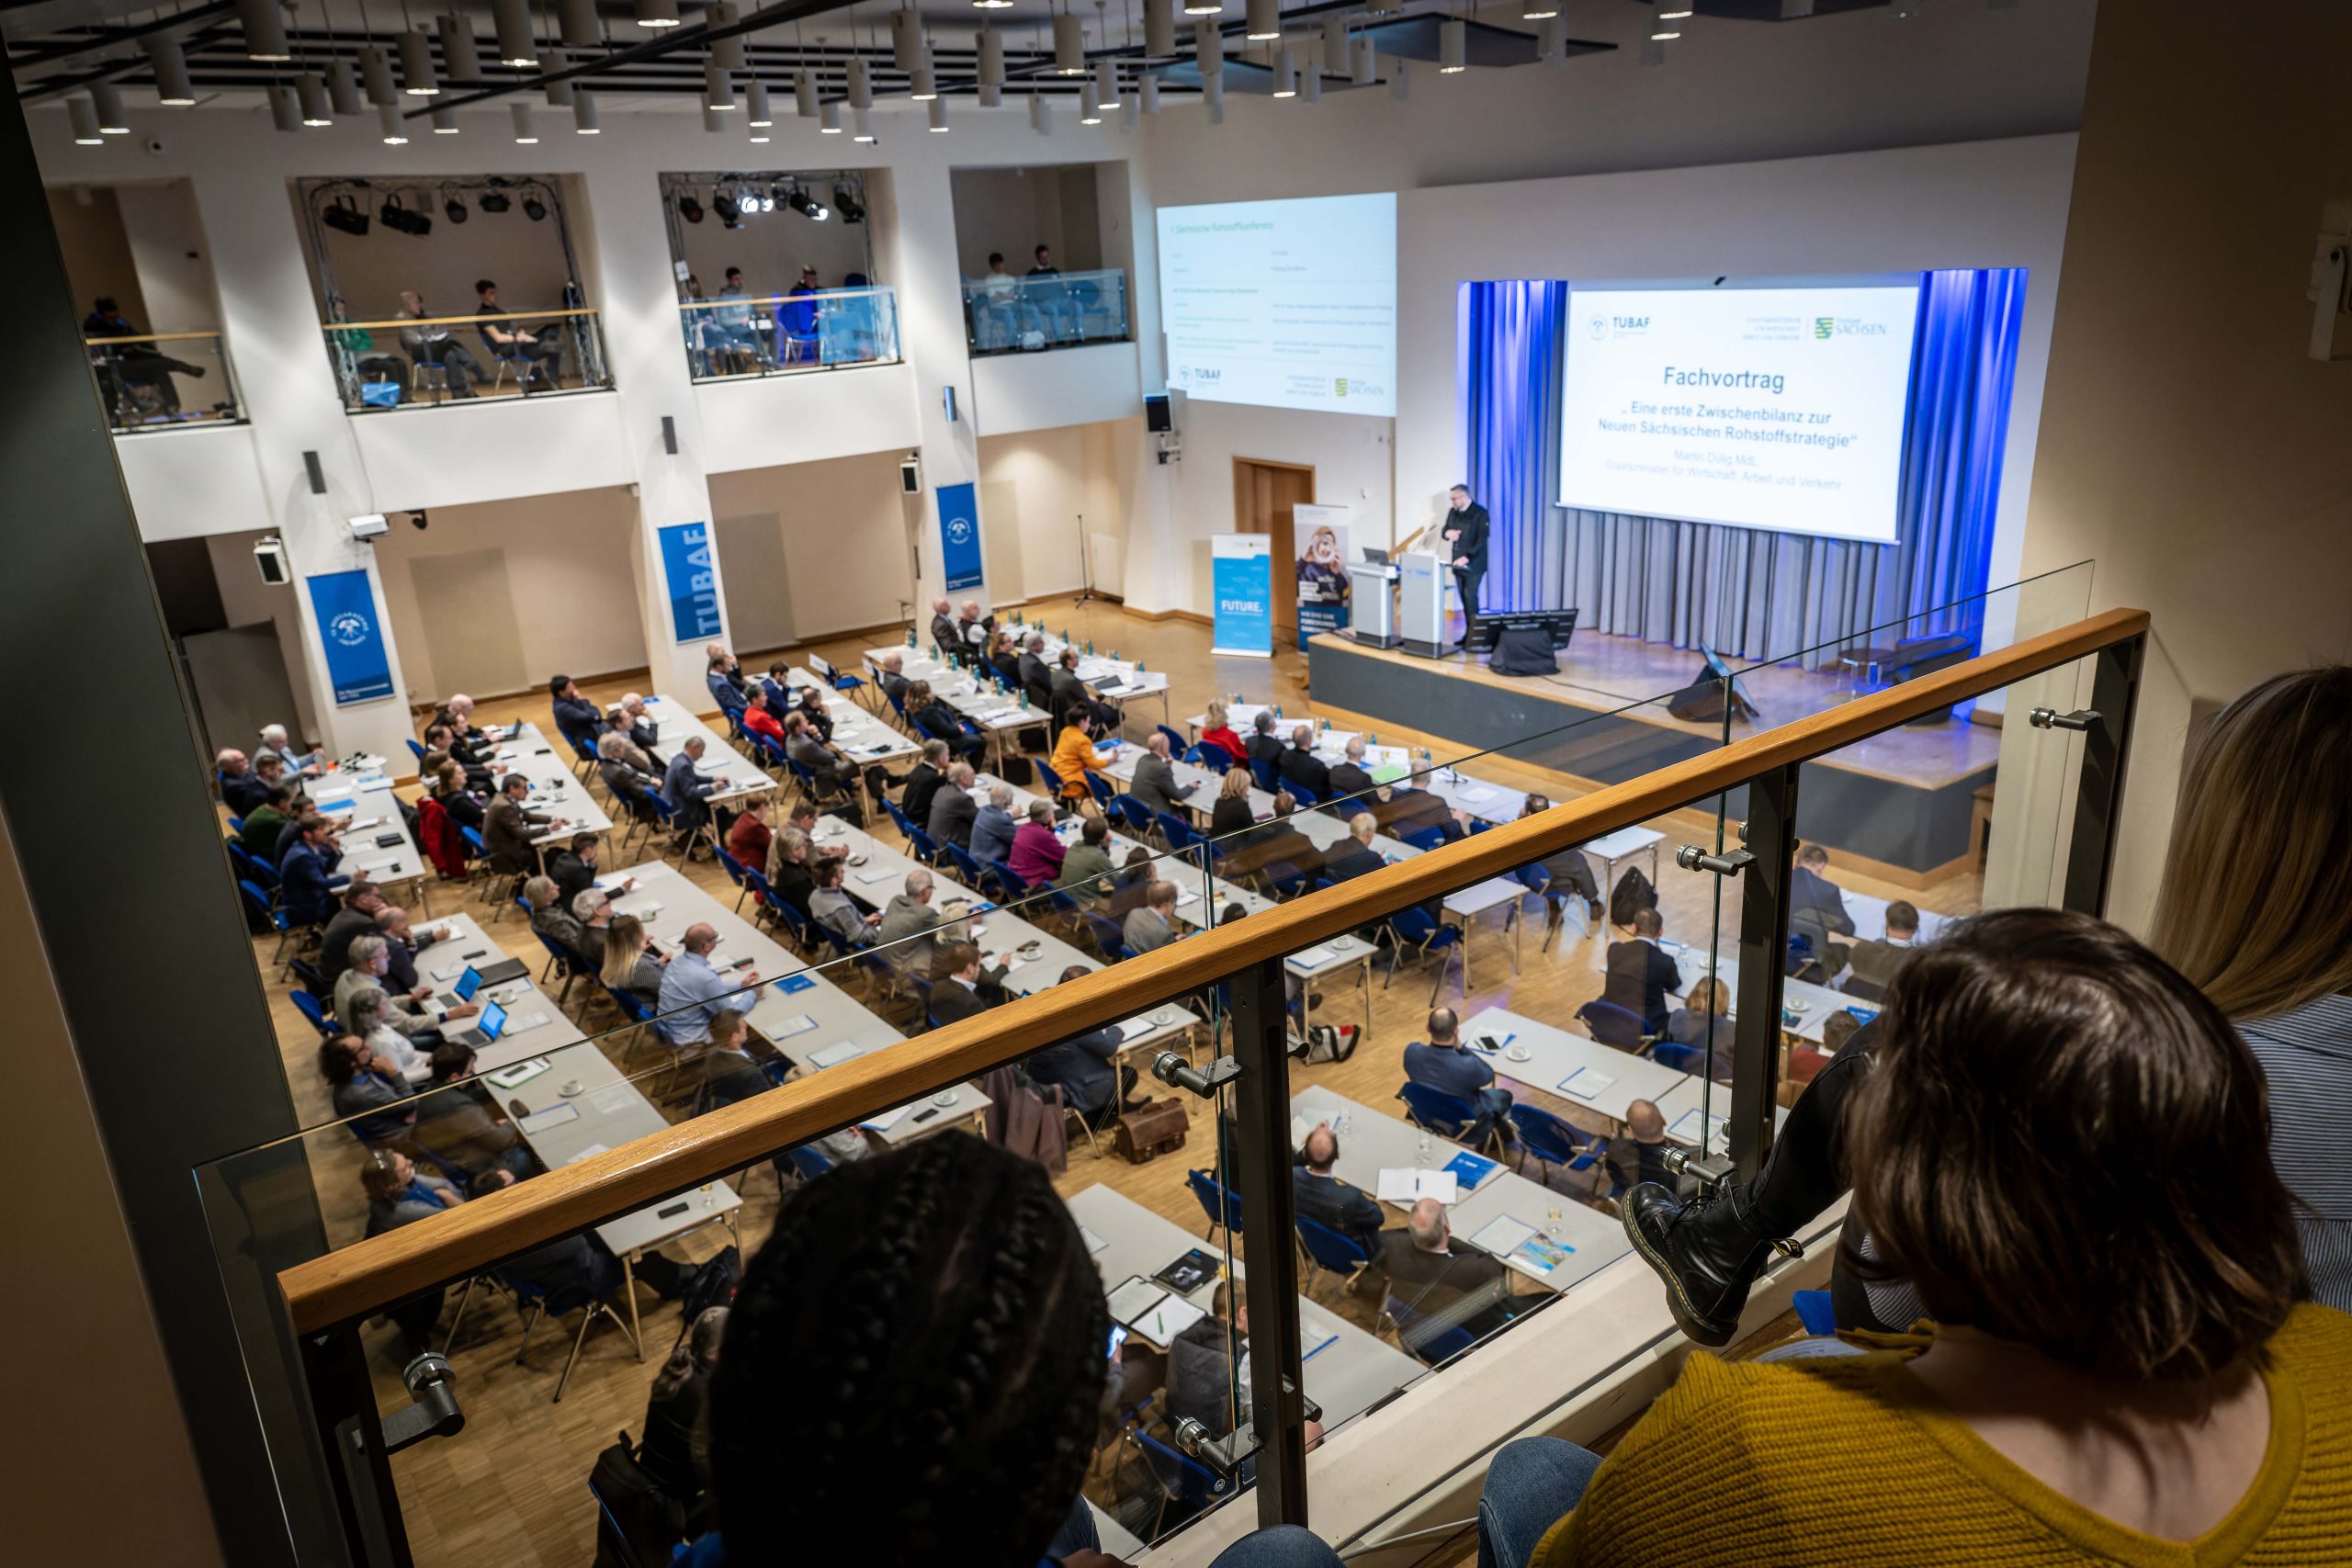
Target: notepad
[[591, 1151], [1407, 1187], [1314, 1338], [784, 1029], [886, 1120], [1307, 958], [1686, 1127], [553, 1116], [614, 1097], [526, 1024], [519, 1074], [1501, 1236], [1136, 1028], [874, 873], [1188, 897], [1586, 1083], [1134, 1297], [792, 985], [834, 1056]]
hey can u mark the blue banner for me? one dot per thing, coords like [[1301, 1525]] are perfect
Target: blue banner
[[360, 668], [1241, 575], [693, 587], [959, 536]]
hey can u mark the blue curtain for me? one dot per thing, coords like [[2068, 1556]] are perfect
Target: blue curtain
[[1749, 593]]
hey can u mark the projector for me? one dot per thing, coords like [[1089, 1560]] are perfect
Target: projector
[[369, 524]]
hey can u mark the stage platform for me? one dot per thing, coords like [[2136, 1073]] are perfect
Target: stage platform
[[1904, 800]]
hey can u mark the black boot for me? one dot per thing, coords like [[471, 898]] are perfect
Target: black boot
[[1707, 1252]]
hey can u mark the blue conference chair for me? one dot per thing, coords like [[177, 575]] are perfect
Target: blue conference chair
[[1423, 839], [1329, 1252], [1264, 773], [1413, 927], [307, 1006], [1553, 1140], [1219, 1201], [1107, 936], [1214, 759], [1447, 1115], [1611, 1024], [1426, 1340], [1681, 1058]]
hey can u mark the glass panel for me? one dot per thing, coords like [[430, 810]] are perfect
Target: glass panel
[[164, 381], [1004, 314], [814, 329], [424, 361]]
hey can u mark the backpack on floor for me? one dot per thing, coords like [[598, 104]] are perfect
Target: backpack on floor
[[1327, 1043], [1632, 894], [1015, 770]]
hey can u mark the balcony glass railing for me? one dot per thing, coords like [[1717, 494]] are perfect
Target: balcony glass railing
[[776, 335], [1004, 314], [425, 361], [163, 380]]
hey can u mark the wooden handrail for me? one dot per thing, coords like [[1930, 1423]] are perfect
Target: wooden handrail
[[504, 315], [148, 337], [359, 1280]]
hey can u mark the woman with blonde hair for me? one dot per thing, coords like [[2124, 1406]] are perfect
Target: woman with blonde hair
[[1217, 732], [1703, 1023], [1232, 814], [629, 963]]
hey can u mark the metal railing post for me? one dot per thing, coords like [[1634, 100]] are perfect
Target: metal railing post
[[359, 1471], [1262, 1150], [2098, 793], [1763, 953]]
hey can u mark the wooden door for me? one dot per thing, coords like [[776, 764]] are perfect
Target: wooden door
[[1263, 495]]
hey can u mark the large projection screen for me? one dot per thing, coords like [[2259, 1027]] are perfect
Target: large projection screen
[[1765, 406], [1282, 304]]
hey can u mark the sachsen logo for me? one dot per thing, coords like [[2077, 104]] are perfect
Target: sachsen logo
[[1827, 327]]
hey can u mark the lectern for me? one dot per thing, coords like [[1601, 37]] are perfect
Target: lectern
[[1423, 608], [1372, 599]]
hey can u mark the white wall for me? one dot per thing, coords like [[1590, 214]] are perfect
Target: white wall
[[842, 523], [247, 601], [166, 238], [1013, 393], [1047, 480], [1014, 211]]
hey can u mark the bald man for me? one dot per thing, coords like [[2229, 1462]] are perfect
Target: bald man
[[1322, 1197], [1349, 778], [972, 629], [1353, 856], [1301, 768], [1442, 1286], [1640, 1155], [694, 990], [944, 634], [1154, 778]]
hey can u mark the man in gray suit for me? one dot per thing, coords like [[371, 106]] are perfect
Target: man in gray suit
[[1873, 963], [952, 810], [911, 926], [1155, 780]]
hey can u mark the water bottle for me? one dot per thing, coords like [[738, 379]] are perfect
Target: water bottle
[[1424, 1157]]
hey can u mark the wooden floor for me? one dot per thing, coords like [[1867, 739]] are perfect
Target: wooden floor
[[511, 1488]]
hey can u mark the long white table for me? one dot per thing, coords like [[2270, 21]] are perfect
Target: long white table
[[555, 788], [863, 737], [1868, 911], [1556, 1056], [364, 808], [736, 776], [1806, 1008]]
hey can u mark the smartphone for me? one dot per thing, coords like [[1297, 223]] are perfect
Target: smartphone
[[1118, 1338]]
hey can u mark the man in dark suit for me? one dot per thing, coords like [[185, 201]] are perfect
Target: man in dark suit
[[1440, 1285], [576, 719], [1301, 768], [572, 868], [1036, 675], [960, 987], [923, 783], [952, 808], [891, 674], [1409, 810], [1465, 535], [1277, 844], [1265, 746], [1817, 910], [731, 698], [1322, 1197], [689, 791], [1349, 777], [241, 787], [1353, 856], [361, 899], [1443, 1064], [1873, 963], [943, 627], [1640, 1155], [729, 1074], [1094, 1082], [1641, 974], [307, 876], [1068, 691], [506, 828]]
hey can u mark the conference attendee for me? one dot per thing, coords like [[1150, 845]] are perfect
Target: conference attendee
[[993, 828], [1465, 532], [777, 684], [1322, 1197], [910, 926], [1232, 820], [831, 907], [972, 629], [959, 1260], [1086, 868], [1132, 887], [593, 909], [431, 343], [812, 708], [1353, 856], [1347, 777], [797, 318], [1208, 1367], [730, 320], [1076, 756], [923, 781], [758, 718], [576, 719], [631, 787], [1871, 964], [122, 366], [1441, 1286], [356, 917], [368, 1011], [365, 1091], [953, 811], [452, 790], [934, 720], [458, 1121], [675, 1453], [825, 764], [1265, 748], [1003, 658], [508, 823], [790, 859], [401, 944], [1216, 731], [1154, 925], [632, 717], [962, 985], [1278, 843], [692, 990], [891, 676], [749, 839], [631, 964], [1153, 782], [400, 1194], [1817, 910], [291, 834], [1301, 769], [1640, 1153], [689, 790], [730, 1076], [539, 361], [1406, 807], [1444, 1063], [552, 919], [266, 822], [1567, 870], [308, 880], [1036, 675], [581, 1262], [1093, 1081], [1037, 851], [1045, 266], [1641, 974], [944, 634], [241, 787], [572, 868], [458, 713], [1067, 692], [1703, 1024], [443, 744], [2123, 1366]]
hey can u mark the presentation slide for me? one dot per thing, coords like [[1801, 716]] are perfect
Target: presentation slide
[[1763, 408], [1284, 304]]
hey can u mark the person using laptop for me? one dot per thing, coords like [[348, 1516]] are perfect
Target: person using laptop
[[370, 961]]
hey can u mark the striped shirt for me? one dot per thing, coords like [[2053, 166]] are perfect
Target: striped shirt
[[2307, 1056]]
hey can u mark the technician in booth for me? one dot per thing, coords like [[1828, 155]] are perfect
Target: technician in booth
[[1465, 537]]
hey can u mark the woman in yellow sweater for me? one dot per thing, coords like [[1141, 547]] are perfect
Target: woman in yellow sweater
[[1074, 757], [2063, 1147]]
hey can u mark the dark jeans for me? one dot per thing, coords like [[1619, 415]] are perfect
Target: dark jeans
[[1467, 581], [1806, 1169], [1531, 1484]]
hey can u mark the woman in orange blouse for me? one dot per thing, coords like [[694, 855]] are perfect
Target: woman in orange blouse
[[1074, 757]]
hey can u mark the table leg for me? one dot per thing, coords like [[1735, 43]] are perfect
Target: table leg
[[629, 1289], [1363, 983]]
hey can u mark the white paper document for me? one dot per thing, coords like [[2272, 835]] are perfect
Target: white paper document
[[834, 1056], [1408, 1187], [886, 1120], [1586, 1083], [591, 1149], [784, 1029], [1686, 1127], [553, 1116], [1501, 1236]]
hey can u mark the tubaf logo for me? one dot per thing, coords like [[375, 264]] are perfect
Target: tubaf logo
[[1599, 326], [350, 628], [959, 530]]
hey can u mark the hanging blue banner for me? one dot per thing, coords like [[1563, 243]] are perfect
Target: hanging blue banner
[[358, 666], [959, 536], [694, 586], [1241, 576]]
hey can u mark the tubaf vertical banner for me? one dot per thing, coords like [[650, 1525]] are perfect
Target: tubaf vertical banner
[[959, 536], [358, 668], [1321, 534], [686, 562], [1241, 576]]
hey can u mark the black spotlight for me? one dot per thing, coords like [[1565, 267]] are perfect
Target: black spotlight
[[494, 201], [533, 209], [401, 221], [729, 213], [845, 202], [417, 520], [455, 210], [809, 206], [344, 216], [690, 210]]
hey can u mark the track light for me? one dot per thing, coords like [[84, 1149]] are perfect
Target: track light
[[730, 210], [526, 133], [309, 91], [376, 74], [689, 209], [552, 65], [906, 42], [284, 112], [86, 124], [756, 109], [455, 210], [1070, 46], [937, 107], [657, 13], [727, 51], [458, 56], [263, 26], [444, 121], [581, 28], [1208, 51], [804, 94], [846, 201], [1265, 21], [1452, 46], [860, 85], [861, 128], [1147, 95], [417, 79], [717, 92], [401, 219], [922, 87], [1203, 8], [169, 62], [1538, 10], [343, 88], [1106, 85], [1286, 74], [106, 98], [395, 131], [345, 217], [495, 201], [829, 119], [1158, 28]]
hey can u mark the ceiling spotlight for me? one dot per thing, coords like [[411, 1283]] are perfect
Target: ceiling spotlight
[[689, 209], [1665, 32], [584, 113], [264, 29], [858, 84], [1538, 10], [86, 133], [581, 28], [444, 121], [106, 98], [1286, 74], [847, 202], [376, 71], [401, 221], [1674, 11], [517, 47], [1159, 28], [716, 17], [938, 109], [1452, 46], [396, 133], [991, 4], [458, 56], [417, 66], [755, 105], [343, 88], [343, 217], [829, 119], [455, 210], [922, 84], [717, 92], [804, 94], [1203, 8], [310, 90], [990, 68], [657, 13], [861, 128], [1106, 85], [284, 112], [533, 209], [552, 80], [495, 201], [525, 135], [1265, 21], [170, 65], [1070, 46], [730, 210]]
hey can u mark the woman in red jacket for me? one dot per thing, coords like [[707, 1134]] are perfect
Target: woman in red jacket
[[1214, 731]]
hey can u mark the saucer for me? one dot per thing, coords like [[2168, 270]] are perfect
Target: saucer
[[944, 1100], [1518, 1053]]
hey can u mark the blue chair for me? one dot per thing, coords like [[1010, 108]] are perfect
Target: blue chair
[[1176, 743], [636, 1011], [584, 750], [1133, 813], [236, 824], [558, 1304], [1553, 1140], [1107, 936], [1214, 759], [1813, 1309], [1426, 1341], [1178, 833], [1264, 773], [268, 911], [1611, 1024], [1447, 1115], [1219, 1203], [809, 1162], [1184, 1485], [416, 750], [734, 870], [898, 819], [1305, 796], [1102, 788], [851, 684], [475, 848], [999, 881], [796, 925], [1329, 1251], [924, 849], [1425, 936], [558, 963], [1681, 1058], [1050, 779], [1423, 837], [307, 1006], [966, 868], [1284, 880]]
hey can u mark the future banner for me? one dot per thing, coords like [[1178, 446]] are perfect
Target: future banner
[[687, 566], [359, 666], [959, 536], [1241, 575]]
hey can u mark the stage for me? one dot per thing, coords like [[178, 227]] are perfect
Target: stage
[[1903, 800]]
